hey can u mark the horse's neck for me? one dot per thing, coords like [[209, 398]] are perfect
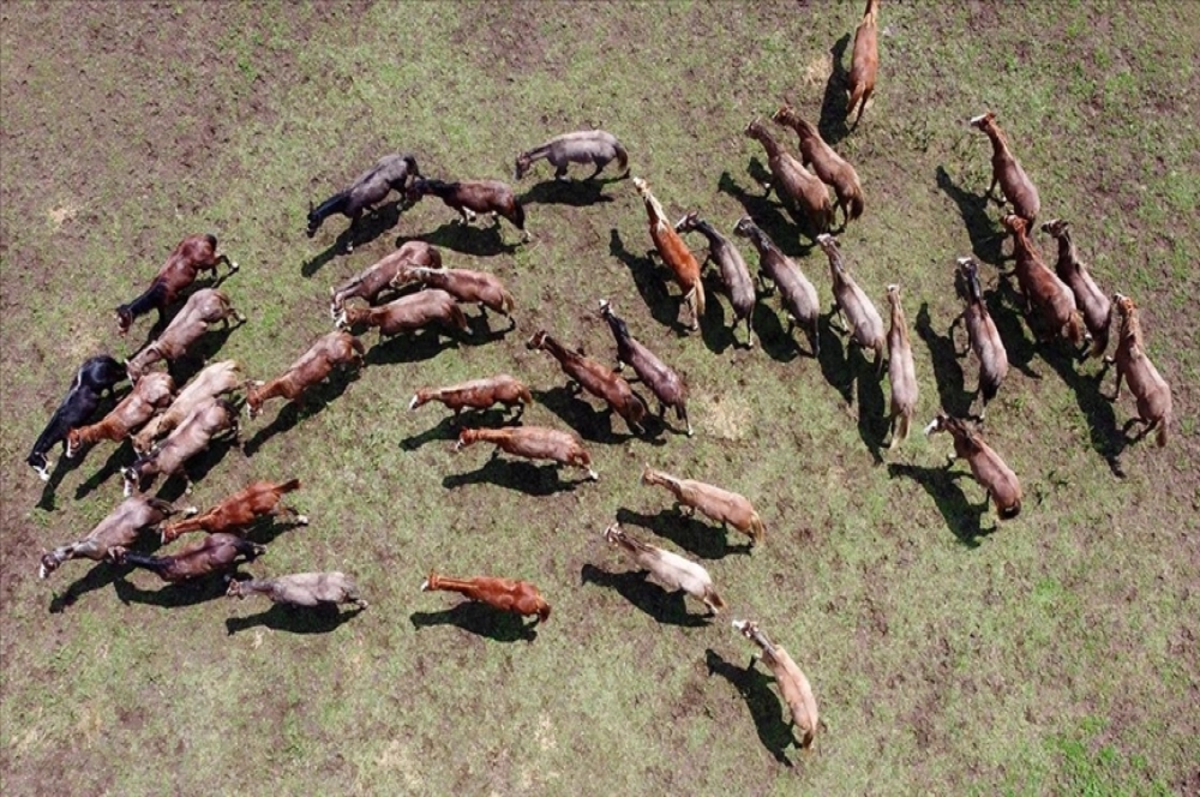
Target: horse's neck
[[760, 241], [654, 209], [148, 300], [999, 141], [556, 349], [537, 153], [761, 639], [1066, 250], [1131, 330], [661, 479], [708, 231], [898, 324], [255, 585], [767, 140], [872, 11]]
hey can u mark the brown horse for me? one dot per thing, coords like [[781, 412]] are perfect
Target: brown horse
[[1041, 288], [723, 506], [220, 377], [1152, 392], [1007, 171], [983, 337], [150, 394], [798, 294], [204, 308], [674, 253], [368, 284], [533, 442], [668, 387], [211, 420], [864, 64], [793, 684], [408, 313], [797, 186], [594, 377], [214, 553], [504, 594], [832, 168], [194, 254], [478, 394], [471, 197], [235, 513], [901, 372], [120, 529], [301, 589], [463, 284], [732, 266], [866, 327], [998, 480], [1097, 309], [315, 365], [597, 147]]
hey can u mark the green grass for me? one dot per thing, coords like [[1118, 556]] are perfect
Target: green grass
[[1054, 655]]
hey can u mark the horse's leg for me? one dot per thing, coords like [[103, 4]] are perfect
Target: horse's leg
[[560, 173], [600, 164], [1117, 388]]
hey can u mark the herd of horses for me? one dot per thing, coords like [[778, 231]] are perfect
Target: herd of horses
[[410, 289]]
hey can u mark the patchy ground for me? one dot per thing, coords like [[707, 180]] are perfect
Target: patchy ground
[[1055, 654]]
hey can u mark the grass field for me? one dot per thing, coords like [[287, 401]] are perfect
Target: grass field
[[1057, 654]]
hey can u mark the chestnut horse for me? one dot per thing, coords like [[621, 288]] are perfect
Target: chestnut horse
[[470, 197], [203, 308], [674, 253], [596, 378], [1041, 287], [235, 513], [832, 168], [533, 442], [1093, 302], [998, 480], [1007, 171], [368, 189], [194, 254], [864, 64], [504, 594], [1152, 392], [798, 188], [369, 283], [477, 394], [328, 351], [723, 506], [982, 336]]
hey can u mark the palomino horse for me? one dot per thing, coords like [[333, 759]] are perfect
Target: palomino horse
[[1093, 302], [315, 365], [793, 684], [723, 506], [666, 385], [504, 594], [832, 168], [471, 197], [1007, 171], [584, 146], [671, 570], [797, 186], [594, 377], [674, 253], [301, 589], [797, 293], [734, 274], [982, 335], [864, 64], [998, 480], [368, 189], [1152, 392], [95, 376], [194, 254]]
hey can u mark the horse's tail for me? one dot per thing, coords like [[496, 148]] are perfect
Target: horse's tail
[[989, 387], [622, 157], [458, 318], [1075, 329], [1163, 423], [902, 429], [856, 203], [507, 301], [212, 240], [698, 299], [288, 486], [357, 345], [518, 214]]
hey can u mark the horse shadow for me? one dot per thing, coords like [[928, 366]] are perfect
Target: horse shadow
[[1003, 303], [123, 453], [311, 266], [468, 239], [481, 332], [524, 477], [702, 539], [576, 193], [651, 281], [963, 518], [449, 426], [986, 238], [835, 103], [1096, 407], [172, 596], [765, 709], [98, 577], [784, 230], [265, 530], [319, 619], [412, 347], [371, 225], [872, 412], [667, 608], [835, 363], [948, 374], [312, 402], [46, 501], [777, 341], [481, 620], [592, 424]]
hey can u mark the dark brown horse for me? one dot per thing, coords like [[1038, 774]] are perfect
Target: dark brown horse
[[194, 254], [1041, 288], [594, 377], [214, 553], [798, 188], [732, 266], [391, 172], [832, 168], [1007, 171], [471, 197], [668, 387]]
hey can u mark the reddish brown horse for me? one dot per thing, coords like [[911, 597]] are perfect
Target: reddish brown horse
[[674, 253], [533, 442], [832, 168], [1152, 392], [998, 480], [194, 254], [407, 314], [235, 513], [315, 365], [379, 276], [1041, 288], [504, 594], [471, 197], [596, 378], [797, 187], [477, 394], [152, 393], [1007, 171], [1093, 302]]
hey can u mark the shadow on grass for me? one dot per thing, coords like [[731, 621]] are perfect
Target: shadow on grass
[[835, 102], [319, 619], [481, 620], [765, 708], [651, 281], [778, 341], [413, 347], [665, 607], [1003, 303], [449, 426], [312, 402], [194, 470], [986, 237], [592, 424], [477, 241], [122, 455], [518, 475], [576, 193], [784, 230], [962, 518], [835, 363], [948, 374], [704, 539], [99, 576], [371, 225], [1104, 436], [171, 596]]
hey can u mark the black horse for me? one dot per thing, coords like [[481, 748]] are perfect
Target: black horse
[[95, 376]]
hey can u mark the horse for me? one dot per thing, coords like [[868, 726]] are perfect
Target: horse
[[463, 284], [1093, 302], [211, 420], [216, 379], [212, 554], [96, 376], [902, 372], [301, 589], [998, 480], [864, 63], [734, 274], [674, 253], [1007, 171], [203, 308], [982, 336], [368, 284], [671, 570], [798, 188], [119, 529], [594, 377], [503, 594], [850, 302], [597, 147], [1041, 287], [830, 167], [1152, 392], [368, 189], [194, 254], [533, 442], [150, 394], [793, 684], [407, 313], [724, 506], [328, 351], [233, 514], [666, 385], [478, 394], [797, 294], [471, 197]]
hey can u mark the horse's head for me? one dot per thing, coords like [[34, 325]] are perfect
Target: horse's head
[[829, 246], [466, 437], [417, 189], [785, 115], [431, 582], [124, 319], [74, 443], [235, 588], [314, 220], [983, 121], [893, 294], [50, 563], [1015, 224], [690, 221], [1056, 227], [254, 400], [745, 227], [1124, 305], [522, 165], [939, 424], [538, 341], [614, 534], [746, 627]]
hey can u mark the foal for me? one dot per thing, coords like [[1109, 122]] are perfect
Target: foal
[[151, 393], [734, 274], [864, 64], [674, 253], [1097, 309], [96, 375], [203, 308], [797, 293], [998, 480], [668, 387], [828, 165], [331, 350], [194, 254], [596, 378], [504, 594], [1007, 171], [584, 146], [866, 327], [368, 189], [120, 529], [1152, 392], [797, 186], [470, 197]]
